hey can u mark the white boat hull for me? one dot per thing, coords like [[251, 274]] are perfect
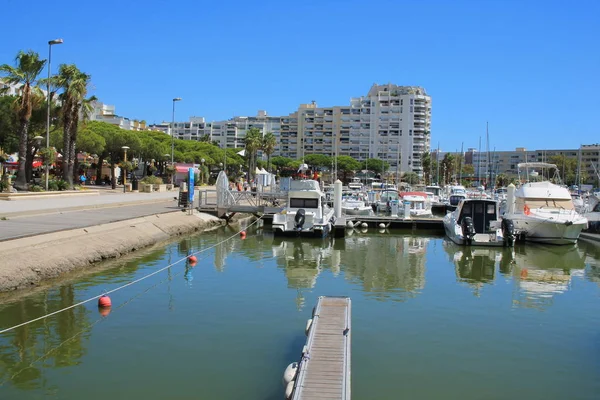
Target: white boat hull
[[454, 233], [548, 231], [365, 210]]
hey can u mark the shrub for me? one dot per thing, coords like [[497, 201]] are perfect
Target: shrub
[[152, 180], [3, 186], [60, 184], [52, 185], [36, 188]]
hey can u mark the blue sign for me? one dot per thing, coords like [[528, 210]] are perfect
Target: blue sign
[[191, 186]]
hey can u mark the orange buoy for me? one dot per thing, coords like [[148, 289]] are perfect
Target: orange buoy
[[243, 234], [192, 259], [193, 263], [524, 273], [104, 301], [104, 311]]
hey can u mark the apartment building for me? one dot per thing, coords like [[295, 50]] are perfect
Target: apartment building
[[107, 113], [506, 162], [391, 123]]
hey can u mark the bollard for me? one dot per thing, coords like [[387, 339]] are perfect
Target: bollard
[[337, 198]]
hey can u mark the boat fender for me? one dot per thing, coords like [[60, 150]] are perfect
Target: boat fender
[[290, 373], [364, 225], [349, 225], [508, 232], [382, 226], [308, 325], [468, 229], [289, 389], [299, 218]]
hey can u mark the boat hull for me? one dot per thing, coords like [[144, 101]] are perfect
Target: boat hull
[[478, 240], [357, 211], [312, 232], [550, 232]]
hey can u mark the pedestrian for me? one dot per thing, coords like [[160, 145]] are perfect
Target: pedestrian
[[82, 179]]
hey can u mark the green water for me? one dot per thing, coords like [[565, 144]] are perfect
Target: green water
[[430, 320]]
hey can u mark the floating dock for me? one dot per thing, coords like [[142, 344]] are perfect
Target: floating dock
[[324, 371]]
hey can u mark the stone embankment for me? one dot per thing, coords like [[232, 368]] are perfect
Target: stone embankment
[[29, 261]]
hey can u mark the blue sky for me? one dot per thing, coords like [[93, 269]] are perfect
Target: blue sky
[[530, 68]]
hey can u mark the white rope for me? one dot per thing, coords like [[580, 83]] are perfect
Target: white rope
[[127, 284]]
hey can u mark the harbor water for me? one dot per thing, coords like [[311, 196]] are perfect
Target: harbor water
[[430, 320]]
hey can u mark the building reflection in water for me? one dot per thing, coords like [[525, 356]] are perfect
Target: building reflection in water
[[393, 268], [302, 260], [538, 272]]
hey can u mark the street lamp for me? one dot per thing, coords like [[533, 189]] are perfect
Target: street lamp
[[50, 44], [172, 129], [125, 148], [202, 171]]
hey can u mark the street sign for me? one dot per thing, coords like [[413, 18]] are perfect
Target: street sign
[[191, 186]]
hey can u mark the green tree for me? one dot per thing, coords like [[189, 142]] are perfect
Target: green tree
[[28, 67], [253, 142], [9, 140], [74, 85], [280, 162], [347, 164], [269, 141], [317, 160], [567, 167], [376, 165], [410, 177]]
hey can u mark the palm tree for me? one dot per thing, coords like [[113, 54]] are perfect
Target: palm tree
[[268, 146], [25, 72], [253, 142], [74, 84]]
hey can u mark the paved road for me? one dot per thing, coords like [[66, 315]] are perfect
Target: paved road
[[23, 226]]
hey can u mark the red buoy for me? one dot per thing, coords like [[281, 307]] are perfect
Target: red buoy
[[243, 234], [104, 311], [192, 259], [104, 301]]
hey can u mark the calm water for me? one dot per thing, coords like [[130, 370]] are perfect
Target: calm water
[[430, 320]]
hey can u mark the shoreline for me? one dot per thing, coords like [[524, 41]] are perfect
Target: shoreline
[[29, 262]]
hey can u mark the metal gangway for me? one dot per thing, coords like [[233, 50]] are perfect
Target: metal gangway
[[226, 201]]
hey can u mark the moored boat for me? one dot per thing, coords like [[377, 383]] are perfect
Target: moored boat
[[306, 212], [476, 222], [544, 211]]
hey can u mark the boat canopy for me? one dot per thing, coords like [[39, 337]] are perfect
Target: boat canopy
[[543, 190], [307, 184], [532, 203]]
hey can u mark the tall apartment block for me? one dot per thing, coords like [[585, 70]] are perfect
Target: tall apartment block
[[391, 123]]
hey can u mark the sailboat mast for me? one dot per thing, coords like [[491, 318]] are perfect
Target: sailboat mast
[[437, 158], [479, 163], [460, 163], [488, 173]]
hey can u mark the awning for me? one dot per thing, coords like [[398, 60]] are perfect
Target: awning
[[37, 164], [184, 170]]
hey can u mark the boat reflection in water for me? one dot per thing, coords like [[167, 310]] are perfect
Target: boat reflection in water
[[302, 260], [539, 272], [393, 269]]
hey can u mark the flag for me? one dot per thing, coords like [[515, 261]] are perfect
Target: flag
[[242, 152]]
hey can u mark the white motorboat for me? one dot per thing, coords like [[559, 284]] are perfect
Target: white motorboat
[[592, 214], [356, 204], [420, 206], [435, 192], [476, 222], [356, 184], [543, 211], [306, 213], [384, 199], [457, 194]]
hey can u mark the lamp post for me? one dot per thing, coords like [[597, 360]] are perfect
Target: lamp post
[[50, 44], [202, 171], [125, 148]]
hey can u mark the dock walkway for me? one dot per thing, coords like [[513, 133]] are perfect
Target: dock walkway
[[324, 371]]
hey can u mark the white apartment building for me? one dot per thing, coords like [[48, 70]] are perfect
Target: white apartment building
[[106, 113], [391, 123]]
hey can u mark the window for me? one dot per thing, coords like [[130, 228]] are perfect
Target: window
[[491, 209], [304, 203], [401, 103], [411, 102]]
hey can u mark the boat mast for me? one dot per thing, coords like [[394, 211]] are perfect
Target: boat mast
[[479, 163], [487, 145], [460, 163], [437, 158]]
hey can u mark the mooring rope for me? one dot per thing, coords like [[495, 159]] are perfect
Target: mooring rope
[[127, 284]]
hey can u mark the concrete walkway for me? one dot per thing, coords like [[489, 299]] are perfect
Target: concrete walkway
[[105, 198], [24, 218]]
